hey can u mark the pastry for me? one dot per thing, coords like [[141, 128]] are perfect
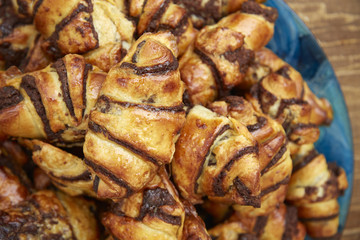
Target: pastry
[[53, 103], [274, 153], [138, 116], [216, 157], [154, 213], [314, 188], [222, 52]]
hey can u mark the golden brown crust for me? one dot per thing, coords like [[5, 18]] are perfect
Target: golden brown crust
[[218, 158], [274, 155], [314, 188], [159, 15], [265, 60], [82, 26], [12, 191], [53, 103], [222, 54], [154, 213], [194, 227], [138, 115], [46, 214]]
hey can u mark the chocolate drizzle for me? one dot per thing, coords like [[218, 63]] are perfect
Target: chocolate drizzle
[[9, 96]]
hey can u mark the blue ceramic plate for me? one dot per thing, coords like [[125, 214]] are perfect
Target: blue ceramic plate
[[294, 43]]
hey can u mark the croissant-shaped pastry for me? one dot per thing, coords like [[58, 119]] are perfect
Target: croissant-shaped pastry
[[154, 213], [216, 157], [266, 61], [279, 97], [194, 227], [314, 188], [281, 223], [68, 172], [274, 154], [97, 28], [53, 103], [138, 116], [222, 53], [157, 15], [49, 215], [210, 11]]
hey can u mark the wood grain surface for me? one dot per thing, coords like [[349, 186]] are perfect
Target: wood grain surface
[[336, 25]]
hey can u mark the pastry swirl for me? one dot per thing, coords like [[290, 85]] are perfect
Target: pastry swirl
[[218, 158], [222, 54], [274, 153]]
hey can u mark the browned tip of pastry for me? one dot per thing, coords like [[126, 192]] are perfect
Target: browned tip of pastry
[[194, 227]]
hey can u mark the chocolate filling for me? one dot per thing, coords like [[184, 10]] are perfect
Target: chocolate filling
[[306, 160], [29, 85], [284, 71], [260, 225], [153, 199], [244, 57], [275, 187], [101, 170], [107, 101], [9, 96], [217, 76], [99, 129], [88, 67], [158, 69], [85, 176], [60, 68], [219, 133], [291, 222], [245, 193], [314, 219], [54, 48], [138, 48], [261, 122], [96, 184], [153, 25], [275, 159], [251, 7], [284, 103]]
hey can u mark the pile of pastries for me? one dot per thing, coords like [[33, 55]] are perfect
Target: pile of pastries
[[157, 119]]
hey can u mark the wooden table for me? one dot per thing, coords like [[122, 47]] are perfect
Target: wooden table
[[336, 24]]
